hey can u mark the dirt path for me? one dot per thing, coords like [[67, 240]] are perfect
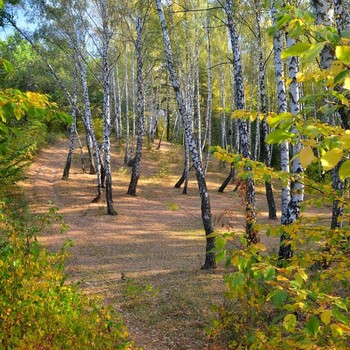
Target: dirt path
[[156, 241]]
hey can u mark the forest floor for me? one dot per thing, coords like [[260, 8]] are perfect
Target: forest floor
[[156, 241]]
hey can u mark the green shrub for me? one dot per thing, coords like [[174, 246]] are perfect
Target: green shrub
[[303, 305], [38, 309]]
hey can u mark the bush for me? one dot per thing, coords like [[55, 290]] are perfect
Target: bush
[[303, 305], [38, 310]]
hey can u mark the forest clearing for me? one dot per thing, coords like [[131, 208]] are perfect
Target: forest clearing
[[174, 174]]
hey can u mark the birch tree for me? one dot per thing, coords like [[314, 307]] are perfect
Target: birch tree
[[282, 107], [209, 95], [140, 109], [106, 36], [263, 108], [73, 126], [327, 12], [249, 200], [210, 262]]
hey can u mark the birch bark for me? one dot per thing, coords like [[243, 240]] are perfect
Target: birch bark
[[106, 35], [293, 209], [127, 124], [135, 174], [198, 95], [210, 262], [209, 97], [325, 16], [263, 108], [73, 126], [249, 199], [282, 107], [115, 105], [90, 128]]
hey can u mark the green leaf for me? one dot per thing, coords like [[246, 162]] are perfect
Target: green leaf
[[289, 322], [331, 158], [7, 64], [220, 242], [343, 53], [313, 52], [339, 77], [237, 281], [339, 316], [306, 156], [313, 325], [344, 170], [295, 50], [270, 273], [278, 136], [279, 298], [220, 256], [272, 31], [282, 20], [312, 131], [242, 263]]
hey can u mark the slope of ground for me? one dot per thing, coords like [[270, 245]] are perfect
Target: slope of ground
[[146, 260]]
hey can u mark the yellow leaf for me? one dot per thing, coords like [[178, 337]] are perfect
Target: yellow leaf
[[282, 278], [289, 322], [342, 53], [336, 329], [344, 170], [252, 116], [303, 275], [326, 316], [260, 247], [347, 83], [218, 155], [345, 139], [306, 156], [301, 77], [331, 158]]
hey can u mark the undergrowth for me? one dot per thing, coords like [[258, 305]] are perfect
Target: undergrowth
[[38, 309]]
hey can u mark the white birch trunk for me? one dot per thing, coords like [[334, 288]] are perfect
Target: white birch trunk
[[209, 97], [223, 113], [297, 196], [132, 150], [73, 126], [127, 124], [90, 128], [106, 108], [346, 15], [263, 108], [325, 16], [198, 96], [251, 232], [115, 105], [339, 15], [282, 107], [119, 94], [203, 191], [135, 174]]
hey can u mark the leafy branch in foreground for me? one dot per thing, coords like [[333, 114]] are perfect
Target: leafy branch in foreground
[[305, 302]]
